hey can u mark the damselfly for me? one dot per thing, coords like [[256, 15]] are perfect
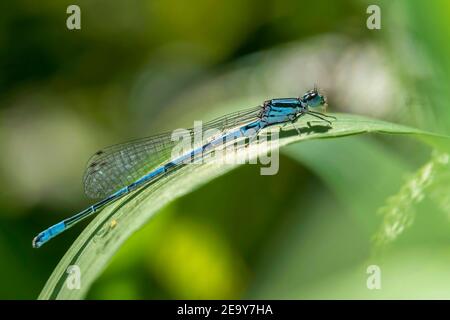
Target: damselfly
[[120, 169]]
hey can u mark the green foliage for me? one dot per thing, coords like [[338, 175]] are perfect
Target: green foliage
[[97, 244], [432, 181], [309, 231]]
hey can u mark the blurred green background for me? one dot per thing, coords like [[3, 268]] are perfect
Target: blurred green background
[[138, 67]]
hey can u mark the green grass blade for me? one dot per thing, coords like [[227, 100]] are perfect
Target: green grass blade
[[96, 245]]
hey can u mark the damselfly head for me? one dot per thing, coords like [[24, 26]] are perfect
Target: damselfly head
[[314, 99]]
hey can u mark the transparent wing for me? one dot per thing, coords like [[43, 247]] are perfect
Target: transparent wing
[[119, 165]]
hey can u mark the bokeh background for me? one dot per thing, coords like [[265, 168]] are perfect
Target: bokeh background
[[139, 67]]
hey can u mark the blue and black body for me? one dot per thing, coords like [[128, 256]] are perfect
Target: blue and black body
[[118, 170]]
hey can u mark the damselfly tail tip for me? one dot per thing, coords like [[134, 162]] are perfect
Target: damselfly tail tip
[[48, 234], [36, 243]]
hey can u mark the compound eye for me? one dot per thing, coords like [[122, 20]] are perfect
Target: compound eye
[[315, 101]]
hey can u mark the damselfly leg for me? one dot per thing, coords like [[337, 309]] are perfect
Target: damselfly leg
[[321, 116]]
